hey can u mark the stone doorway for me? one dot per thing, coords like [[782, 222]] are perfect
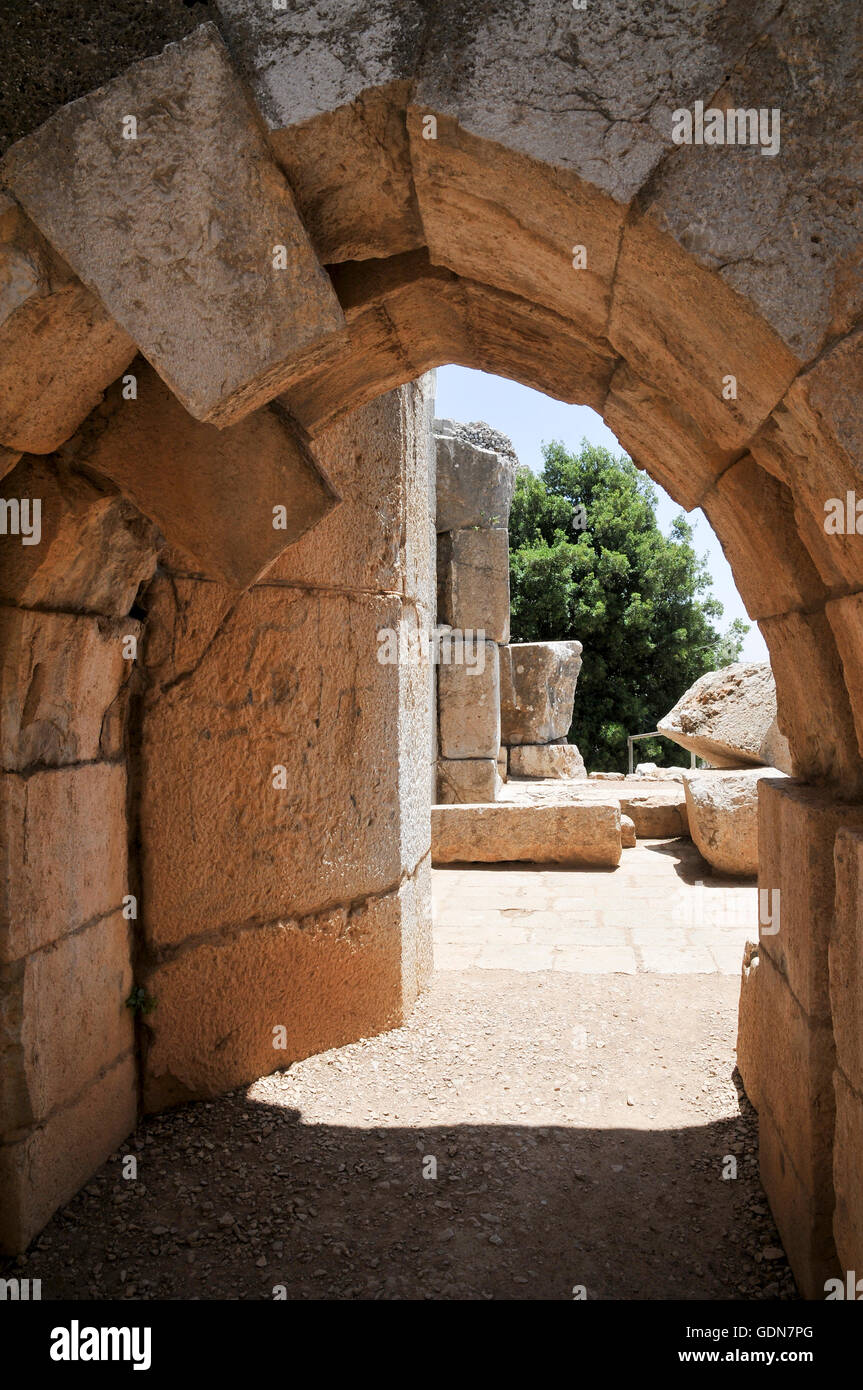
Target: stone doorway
[[330, 250]]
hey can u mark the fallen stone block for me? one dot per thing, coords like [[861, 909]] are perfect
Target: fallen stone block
[[607, 776], [722, 808], [503, 764], [161, 192], [627, 832], [728, 717], [650, 772], [473, 581], [469, 706], [231, 500], [466, 780], [546, 760], [59, 347], [475, 483], [571, 833], [659, 815], [537, 690]]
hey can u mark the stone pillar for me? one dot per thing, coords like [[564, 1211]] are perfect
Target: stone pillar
[[787, 1044], [285, 802], [68, 1094], [537, 693], [475, 471]]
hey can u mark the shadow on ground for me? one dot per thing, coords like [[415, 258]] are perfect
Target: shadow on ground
[[234, 1198]]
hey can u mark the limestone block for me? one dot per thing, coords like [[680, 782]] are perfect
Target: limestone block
[[469, 704], [752, 512], [845, 616], [64, 853], [846, 957], [803, 1215], [467, 780], [722, 811], [288, 678], [474, 485], [537, 690], [503, 764], [385, 303], [42, 1170], [727, 715], [337, 121], [215, 494], [176, 229], [473, 581], [383, 485], [627, 832], [546, 760], [486, 212], [64, 1019], [607, 776], [804, 656], [683, 330], [327, 980], [792, 1056], [797, 828], [657, 815], [781, 231], [94, 551], [848, 1177], [571, 833], [661, 437], [525, 66], [61, 677], [59, 348], [814, 421], [528, 342]]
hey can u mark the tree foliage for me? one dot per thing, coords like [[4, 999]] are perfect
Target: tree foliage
[[588, 560]]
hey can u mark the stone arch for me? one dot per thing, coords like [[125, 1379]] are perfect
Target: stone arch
[[495, 186]]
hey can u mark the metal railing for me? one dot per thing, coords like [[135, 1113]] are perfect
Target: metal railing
[[634, 738]]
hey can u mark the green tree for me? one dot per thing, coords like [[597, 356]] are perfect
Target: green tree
[[588, 560]]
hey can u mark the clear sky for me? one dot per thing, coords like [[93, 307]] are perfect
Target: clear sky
[[530, 419]]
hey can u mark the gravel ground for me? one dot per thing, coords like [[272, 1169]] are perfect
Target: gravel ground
[[579, 1127]]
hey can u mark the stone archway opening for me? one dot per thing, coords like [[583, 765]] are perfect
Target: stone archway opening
[[279, 281]]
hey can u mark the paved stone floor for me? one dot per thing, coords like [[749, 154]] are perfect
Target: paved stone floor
[[662, 911]]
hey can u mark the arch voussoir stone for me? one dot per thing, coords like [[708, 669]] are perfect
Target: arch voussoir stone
[[176, 222]]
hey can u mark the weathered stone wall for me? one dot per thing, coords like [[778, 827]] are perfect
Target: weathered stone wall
[[69, 1089], [305, 903]]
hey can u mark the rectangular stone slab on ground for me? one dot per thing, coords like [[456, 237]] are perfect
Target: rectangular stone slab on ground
[[501, 832]]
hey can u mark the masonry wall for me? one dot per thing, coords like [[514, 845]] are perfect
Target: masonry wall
[[68, 1082], [284, 780]]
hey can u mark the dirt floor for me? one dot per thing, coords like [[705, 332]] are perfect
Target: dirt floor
[[580, 1126]]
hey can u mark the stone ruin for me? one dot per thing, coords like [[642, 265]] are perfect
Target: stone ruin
[[502, 708], [254, 785]]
